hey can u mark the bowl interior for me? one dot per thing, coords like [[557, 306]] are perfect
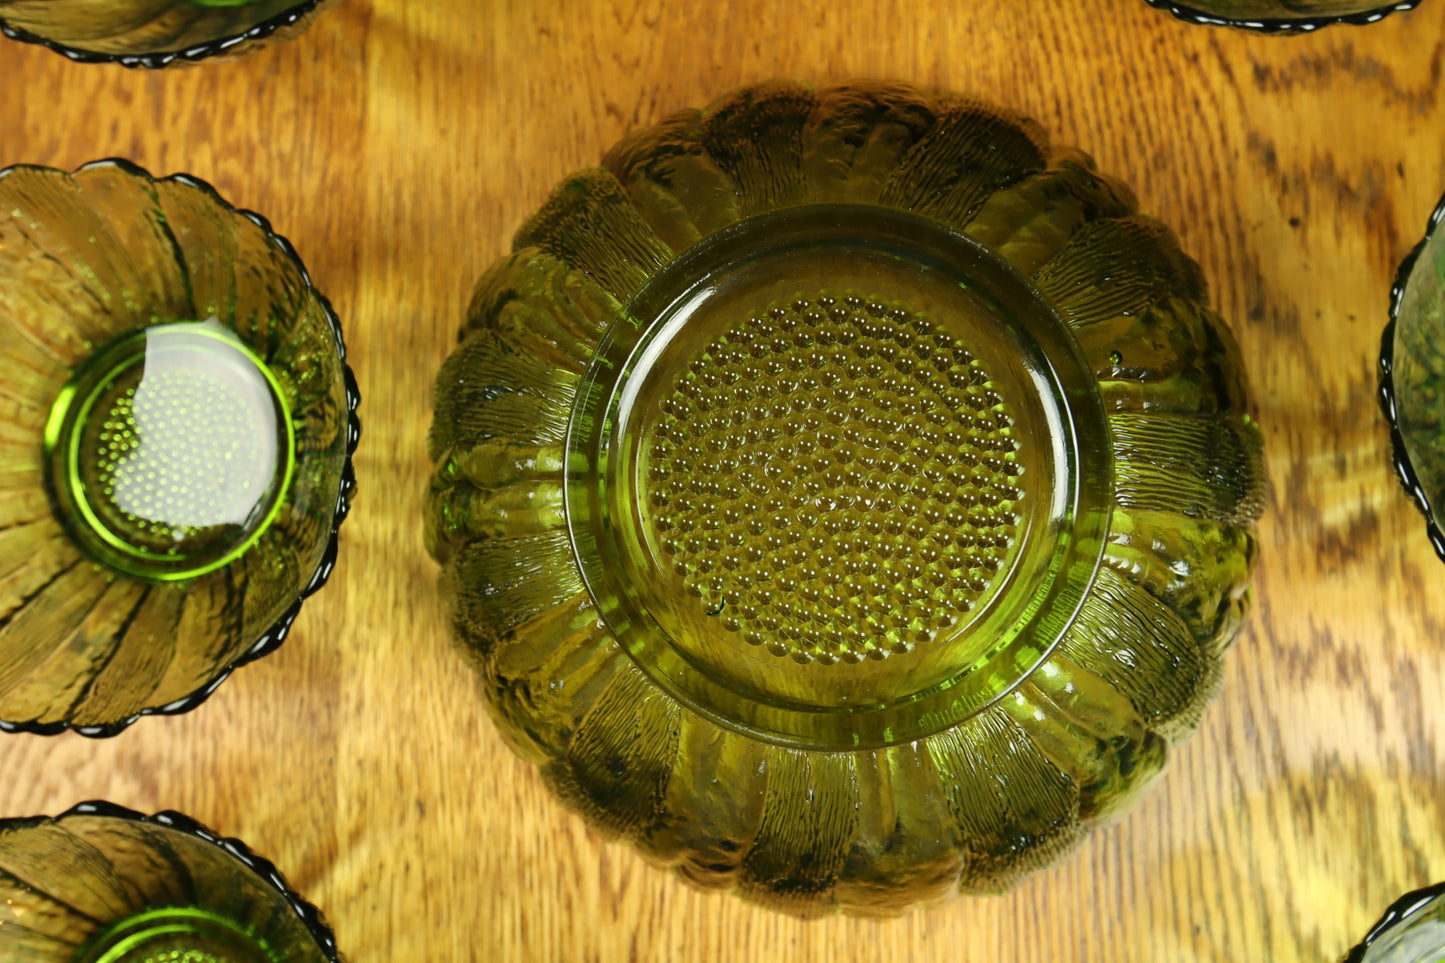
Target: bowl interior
[[174, 447], [105, 885]]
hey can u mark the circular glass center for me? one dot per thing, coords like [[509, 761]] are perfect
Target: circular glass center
[[837, 477], [180, 935], [170, 450]]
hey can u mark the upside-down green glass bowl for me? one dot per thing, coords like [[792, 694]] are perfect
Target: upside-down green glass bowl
[[1282, 16], [1412, 375], [176, 424], [153, 33], [846, 495], [103, 884]]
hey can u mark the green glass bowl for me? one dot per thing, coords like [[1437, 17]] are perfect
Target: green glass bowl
[[1412, 375], [846, 495], [1411, 931], [176, 425], [153, 33], [103, 884], [1282, 16]]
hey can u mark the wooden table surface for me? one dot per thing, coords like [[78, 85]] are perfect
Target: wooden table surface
[[399, 143]]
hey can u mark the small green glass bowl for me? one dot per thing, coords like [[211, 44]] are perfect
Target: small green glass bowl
[[1412, 375], [1282, 16], [104, 884], [846, 495], [1411, 931], [176, 427], [153, 33]]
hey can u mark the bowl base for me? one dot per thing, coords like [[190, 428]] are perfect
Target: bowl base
[[176, 935], [169, 451], [825, 476]]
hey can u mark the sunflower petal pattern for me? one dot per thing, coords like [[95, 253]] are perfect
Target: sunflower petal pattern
[[976, 806], [672, 181], [100, 879], [90, 259]]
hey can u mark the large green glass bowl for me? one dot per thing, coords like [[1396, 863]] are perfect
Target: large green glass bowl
[[1282, 16], [176, 424], [153, 33], [847, 496], [103, 884], [1412, 375]]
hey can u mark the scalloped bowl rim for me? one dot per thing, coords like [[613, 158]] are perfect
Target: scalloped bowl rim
[[1282, 25], [1398, 912], [155, 61], [271, 639], [311, 917], [1409, 480]]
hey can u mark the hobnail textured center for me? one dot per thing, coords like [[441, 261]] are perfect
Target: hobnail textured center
[[187, 448], [172, 448], [836, 478]]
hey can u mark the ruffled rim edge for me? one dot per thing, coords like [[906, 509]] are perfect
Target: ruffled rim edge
[[1399, 911], [1403, 466], [272, 638], [311, 917], [1278, 26], [155, 61]]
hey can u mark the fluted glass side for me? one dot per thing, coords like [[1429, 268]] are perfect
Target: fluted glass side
[[153, 33], [102, 884], [846, 495], [176, 420]]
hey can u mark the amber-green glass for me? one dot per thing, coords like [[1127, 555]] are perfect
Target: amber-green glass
[[1412, 375], [846, 495], [176, 421], [1282, 16], [153, 33], [1411, 931], [102, 884]]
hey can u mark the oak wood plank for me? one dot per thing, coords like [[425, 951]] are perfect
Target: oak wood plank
[[399, 144]]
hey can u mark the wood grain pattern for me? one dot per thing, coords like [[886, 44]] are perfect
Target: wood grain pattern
[[399, 144]]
